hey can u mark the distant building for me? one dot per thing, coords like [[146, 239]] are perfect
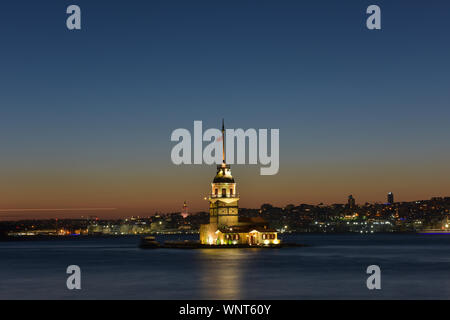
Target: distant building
[[184, 212], [351, 202], [390, 198]]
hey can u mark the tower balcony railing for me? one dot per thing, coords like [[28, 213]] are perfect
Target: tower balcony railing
[[215, 196]]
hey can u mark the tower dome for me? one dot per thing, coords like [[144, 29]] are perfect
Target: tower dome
[[223, 174]]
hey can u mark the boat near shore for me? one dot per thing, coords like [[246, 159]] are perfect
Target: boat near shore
[[149, 243]]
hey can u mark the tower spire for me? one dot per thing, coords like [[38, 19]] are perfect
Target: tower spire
[[223, 140]]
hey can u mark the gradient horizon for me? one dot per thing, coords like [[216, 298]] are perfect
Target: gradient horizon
[[86, 116]]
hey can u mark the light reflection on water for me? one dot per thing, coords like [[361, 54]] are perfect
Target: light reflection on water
[[222, 272]]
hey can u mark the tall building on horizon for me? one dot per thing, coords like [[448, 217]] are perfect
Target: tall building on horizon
[[184, 211], [351, 203], [390, 198]]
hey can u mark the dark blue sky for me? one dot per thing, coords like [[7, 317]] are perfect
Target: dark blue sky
[[80, 107]]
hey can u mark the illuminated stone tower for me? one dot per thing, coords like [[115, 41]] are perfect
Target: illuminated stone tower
[[223, 200], [224, 227]]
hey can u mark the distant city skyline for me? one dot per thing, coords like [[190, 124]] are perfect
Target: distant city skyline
[[86, 116], [113, 213]]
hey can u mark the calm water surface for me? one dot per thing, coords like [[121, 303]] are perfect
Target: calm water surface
[[333, 267]]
